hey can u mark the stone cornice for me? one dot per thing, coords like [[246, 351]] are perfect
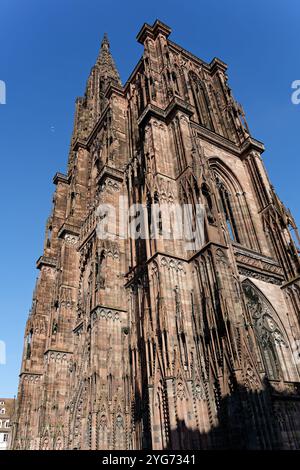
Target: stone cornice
[[291, 282], [80, 144], [253, 264], [49, 350], [151, 111], [206, 247], [251, 144], [61, 178], [247, 251], [177, 104], [46, 261], [78, 327], [153, 31], [216, 139], [226, 144], [108, 307], [110, 172], [135, 272], [168, 255], [38, 374], [217, 64], [68, 229], [106, 313], [114, 89]]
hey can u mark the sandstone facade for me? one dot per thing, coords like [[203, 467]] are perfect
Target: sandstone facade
[[143, 343]]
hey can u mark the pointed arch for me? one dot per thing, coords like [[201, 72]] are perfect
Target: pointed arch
[[208, 203], [78, 414], [275, 349], [234, 206], [46, 441], [103, 432], [201, 101], [59, 440], [120, 437]]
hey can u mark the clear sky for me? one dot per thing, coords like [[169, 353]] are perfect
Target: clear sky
[[47, 48]]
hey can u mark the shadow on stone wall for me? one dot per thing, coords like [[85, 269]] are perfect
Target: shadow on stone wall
[[267, 420]]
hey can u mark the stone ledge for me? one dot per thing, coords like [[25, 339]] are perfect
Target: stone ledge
[[57, 351], [68, 229], [46, 261], [60, 178], [158, 27], [110, 172], [107, 313], [176, 104]]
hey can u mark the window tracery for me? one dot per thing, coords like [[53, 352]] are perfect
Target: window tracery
[[276, 355]]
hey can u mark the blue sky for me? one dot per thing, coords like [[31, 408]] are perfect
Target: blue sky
[[47, 50]]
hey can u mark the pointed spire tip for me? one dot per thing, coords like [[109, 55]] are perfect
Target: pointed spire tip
[[105, 62], [105, 41]]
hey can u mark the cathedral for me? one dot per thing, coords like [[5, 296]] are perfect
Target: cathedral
[[148, 342]]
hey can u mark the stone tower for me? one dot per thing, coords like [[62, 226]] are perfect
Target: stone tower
[[142, 342]]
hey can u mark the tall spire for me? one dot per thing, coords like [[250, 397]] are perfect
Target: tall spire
[[106, 64]]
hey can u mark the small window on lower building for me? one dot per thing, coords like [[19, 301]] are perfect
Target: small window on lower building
[[5, 438]]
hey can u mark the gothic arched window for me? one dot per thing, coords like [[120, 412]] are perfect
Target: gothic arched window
[[175, 83], [99, 270], [234, 205], [227, 206], [110, 387], [158, 213], [28, 343], [276, 355], [201, 101], [49, 234], [208, 203]]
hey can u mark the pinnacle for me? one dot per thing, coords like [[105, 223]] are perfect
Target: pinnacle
[[105, 42], [105, 62]]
